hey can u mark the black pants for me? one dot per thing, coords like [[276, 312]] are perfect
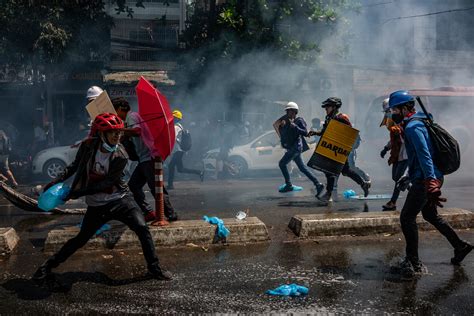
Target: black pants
[[145, 173], [417, 201], [346, 171], [177, 163], [125, 211], [398, 170]]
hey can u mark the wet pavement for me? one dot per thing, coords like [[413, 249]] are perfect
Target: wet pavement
[[344, 274]]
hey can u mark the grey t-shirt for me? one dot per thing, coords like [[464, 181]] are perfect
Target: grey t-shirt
[[132, 121]]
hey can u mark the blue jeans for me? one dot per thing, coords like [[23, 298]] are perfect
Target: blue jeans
[[295, 155]]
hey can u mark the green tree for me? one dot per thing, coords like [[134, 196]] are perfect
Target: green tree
[[291, 28], [38, 36]]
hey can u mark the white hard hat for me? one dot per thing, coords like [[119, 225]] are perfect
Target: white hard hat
[[385, 105], [93, 92], [291, 106]]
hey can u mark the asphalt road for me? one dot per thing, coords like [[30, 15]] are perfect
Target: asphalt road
[[344, 275]]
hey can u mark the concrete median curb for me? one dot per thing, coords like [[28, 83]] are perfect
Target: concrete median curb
[[348, 223], [8, 240], [178, 233]]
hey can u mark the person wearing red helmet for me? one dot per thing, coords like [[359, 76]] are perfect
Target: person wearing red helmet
[[98, 169]]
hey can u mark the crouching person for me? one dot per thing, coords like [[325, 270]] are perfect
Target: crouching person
[[98, 169]]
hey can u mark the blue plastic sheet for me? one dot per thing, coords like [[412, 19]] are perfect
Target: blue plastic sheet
[[295, 188], [53, 197], [222, 231], [289, 290]]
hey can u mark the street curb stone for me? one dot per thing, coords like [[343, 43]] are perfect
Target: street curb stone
[[178, 233], [308, 226], [8, 240]]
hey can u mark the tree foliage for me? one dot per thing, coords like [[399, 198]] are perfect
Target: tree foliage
[[37, 35], [293, 29]]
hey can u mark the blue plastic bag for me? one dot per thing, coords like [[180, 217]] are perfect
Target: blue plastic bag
[[53, 197], [289, 290], [222, 231], [349, 193], [295, 188]]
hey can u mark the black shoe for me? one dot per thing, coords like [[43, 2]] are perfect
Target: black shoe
[[326, 198], [42, 275], [286, 188], [201, 176], [460, 253], [156, 272], [365, 186], [319, 189]]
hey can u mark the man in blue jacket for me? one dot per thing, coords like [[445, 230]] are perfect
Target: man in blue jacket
[[425, 194], [292, 130]]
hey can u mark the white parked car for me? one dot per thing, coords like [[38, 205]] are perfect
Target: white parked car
[[262, 153], [51, 162]]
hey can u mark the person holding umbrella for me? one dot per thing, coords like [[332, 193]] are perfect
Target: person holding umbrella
[[144, 171], [98, 169]]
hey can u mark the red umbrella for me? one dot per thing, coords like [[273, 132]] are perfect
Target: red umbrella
[[155, 111], [156, 114]]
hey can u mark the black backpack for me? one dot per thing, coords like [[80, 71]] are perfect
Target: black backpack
[[186, 142], [447, 156]]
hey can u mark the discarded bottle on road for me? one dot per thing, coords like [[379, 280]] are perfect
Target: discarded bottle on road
[[53, 197], [289, 290]]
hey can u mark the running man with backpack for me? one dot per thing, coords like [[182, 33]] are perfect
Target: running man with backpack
[[427, 179], [182, 145]]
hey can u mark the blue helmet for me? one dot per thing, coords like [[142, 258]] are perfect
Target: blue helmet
[[399, 97]]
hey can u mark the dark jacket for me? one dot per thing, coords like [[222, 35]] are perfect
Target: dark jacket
[[82, 165], [292, 135]]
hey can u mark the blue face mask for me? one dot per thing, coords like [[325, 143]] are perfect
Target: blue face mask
[[109, 148]]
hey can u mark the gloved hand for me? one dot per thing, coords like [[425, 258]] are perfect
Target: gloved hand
[[433, 192], [384, 151]]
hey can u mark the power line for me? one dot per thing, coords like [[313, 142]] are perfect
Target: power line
[[427, 14]]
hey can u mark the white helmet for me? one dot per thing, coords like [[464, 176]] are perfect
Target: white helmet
[[291, 106], [93, 92], [385, 104]]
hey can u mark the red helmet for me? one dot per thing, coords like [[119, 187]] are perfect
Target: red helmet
[[106, 122]]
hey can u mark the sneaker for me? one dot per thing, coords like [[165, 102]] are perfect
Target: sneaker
[[319, 189], [420, 268], [42, 274], [201, 176], [326, 198], [156, 272], [286, 188], [150, 216], [460, 253], [365, 186], [407, 271], [390, 206]]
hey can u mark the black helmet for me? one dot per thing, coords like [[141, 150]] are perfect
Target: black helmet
[[332, 101]]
